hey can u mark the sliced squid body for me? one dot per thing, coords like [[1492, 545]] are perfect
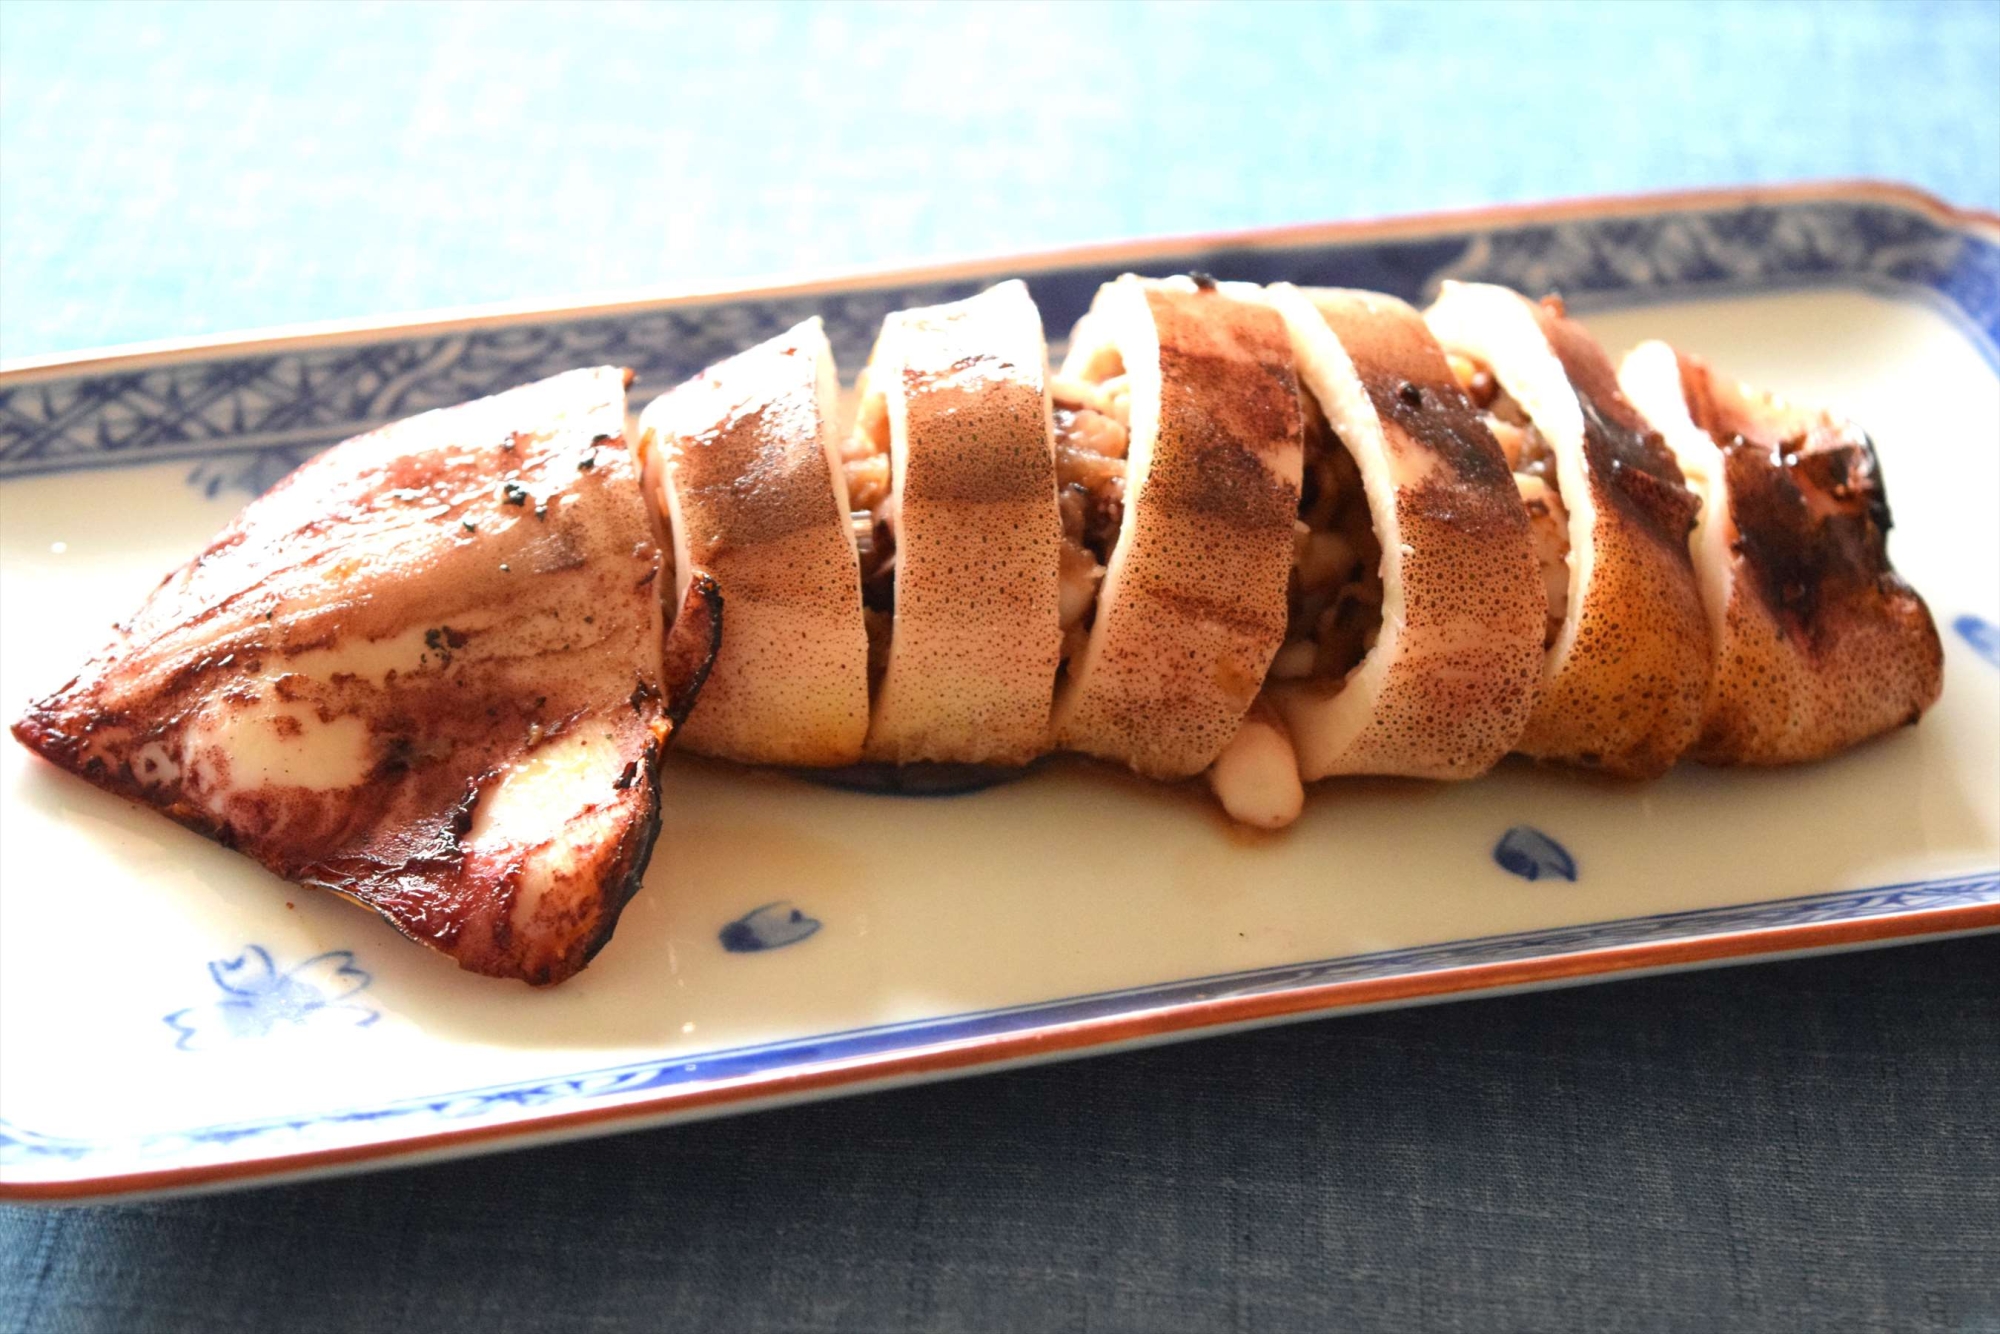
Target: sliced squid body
[[1448, 685], [959, 391], [1626, 674], [1192, 605], [745, 461], [425, 672], [1818, 644]]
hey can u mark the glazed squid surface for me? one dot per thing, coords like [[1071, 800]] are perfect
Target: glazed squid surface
[[425, 672], [1272, 535], [744, 459], [1818, 643], [959, 540], [1191, 607], [1417, 620], [1627, 666]]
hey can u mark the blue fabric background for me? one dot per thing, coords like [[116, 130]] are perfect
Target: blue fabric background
[[172, 171], [1798, 1146]]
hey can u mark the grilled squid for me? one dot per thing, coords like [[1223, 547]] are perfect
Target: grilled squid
[[1191, 606], [1626, 670], [1264, 535], [745, 462], [1416, 619], [426, 672], [951, 481], [1818, 644]]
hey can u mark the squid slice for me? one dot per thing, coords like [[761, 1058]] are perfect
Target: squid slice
[[745, 462], [1192, 604], [1447, 687], [1818, 643], [425, 672], [1626, 674], [957, 397]]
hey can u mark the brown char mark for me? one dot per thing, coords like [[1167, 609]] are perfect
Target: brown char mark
[[1248, 411], [635, 853], [1630, 463], [1438, 418], [692, 645], [1235, 486], [746, 463], [1799, 561], [1254, 403], [976, 404], [438, 731]]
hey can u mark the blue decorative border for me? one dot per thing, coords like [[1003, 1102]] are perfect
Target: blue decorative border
[[246, 419], [293, 403], [501, 1102]]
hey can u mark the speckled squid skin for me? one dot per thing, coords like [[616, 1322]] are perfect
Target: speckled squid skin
[[1448, 687], [757, 500], [978, 632], [1818, 643], [424, 672], [1624, 684], [1192, 608]]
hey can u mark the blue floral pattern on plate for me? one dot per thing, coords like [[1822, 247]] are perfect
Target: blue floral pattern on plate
[[769, 927], [1529, 853], [18, 1144], [258, 999], [1981, 634]]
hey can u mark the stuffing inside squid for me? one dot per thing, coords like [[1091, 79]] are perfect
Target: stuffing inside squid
[[1092, 427], [1334, 605], [1532, 464], [1818, 643], [865, 466]]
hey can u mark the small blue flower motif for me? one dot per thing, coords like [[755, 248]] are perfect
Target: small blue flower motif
[[767, 928], [1531, 854], [257, 998], [1982, 634]]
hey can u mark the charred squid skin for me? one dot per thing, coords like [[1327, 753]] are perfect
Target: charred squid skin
[[692, 645], [636, 854], [1819, 643], [448, 535], [1636, 717], [394, 678], [976, 637]]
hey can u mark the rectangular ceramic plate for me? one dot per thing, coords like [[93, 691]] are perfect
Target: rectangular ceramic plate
[[173, 1017]]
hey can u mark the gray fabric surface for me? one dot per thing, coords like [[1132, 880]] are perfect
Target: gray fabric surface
[[1798, 1146], [1804, 1146]]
